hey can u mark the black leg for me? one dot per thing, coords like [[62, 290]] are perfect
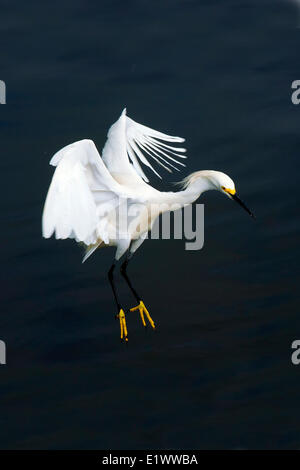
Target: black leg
[[120, 315], [141, 306], [123, 270], [111, 281]]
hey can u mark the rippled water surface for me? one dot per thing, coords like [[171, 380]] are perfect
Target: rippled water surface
[[217, 372]]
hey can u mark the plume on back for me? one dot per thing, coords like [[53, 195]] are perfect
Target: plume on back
[[129, 141], [86, 190]]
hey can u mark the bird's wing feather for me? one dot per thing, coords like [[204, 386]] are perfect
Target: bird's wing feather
[[80, 186], [129, 141]]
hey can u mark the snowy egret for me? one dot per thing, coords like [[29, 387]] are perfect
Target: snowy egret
[[87, 191]]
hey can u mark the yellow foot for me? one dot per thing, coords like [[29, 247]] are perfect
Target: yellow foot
[[123, 326], [143, 311]]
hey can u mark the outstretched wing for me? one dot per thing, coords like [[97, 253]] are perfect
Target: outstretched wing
[[80, 186], [129, 141]]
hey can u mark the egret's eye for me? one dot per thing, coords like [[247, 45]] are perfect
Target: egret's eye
[[228, 191]]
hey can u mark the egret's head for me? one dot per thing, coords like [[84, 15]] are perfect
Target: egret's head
[[211, 179], [222, 183]]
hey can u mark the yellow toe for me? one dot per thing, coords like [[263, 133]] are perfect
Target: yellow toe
[[143, 311], [123, 326]]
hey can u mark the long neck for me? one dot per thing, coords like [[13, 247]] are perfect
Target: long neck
[[191, 193]]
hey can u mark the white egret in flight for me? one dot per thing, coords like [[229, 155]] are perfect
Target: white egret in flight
[[87, 191]]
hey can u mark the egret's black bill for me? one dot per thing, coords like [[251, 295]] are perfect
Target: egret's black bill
[[237, 199]]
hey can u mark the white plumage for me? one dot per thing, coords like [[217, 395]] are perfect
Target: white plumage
[[108, 202], [86, 191]]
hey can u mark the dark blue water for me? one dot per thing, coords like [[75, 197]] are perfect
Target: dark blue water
[[217, 373]]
